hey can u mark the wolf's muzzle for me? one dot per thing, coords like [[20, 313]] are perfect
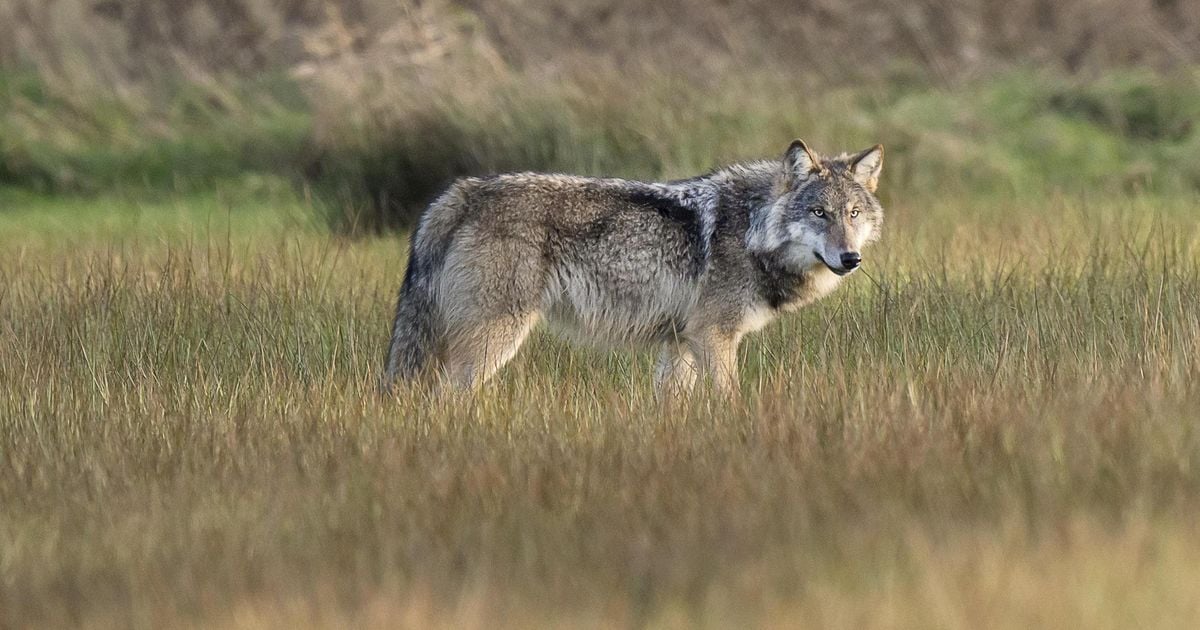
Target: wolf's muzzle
[[848, 264]]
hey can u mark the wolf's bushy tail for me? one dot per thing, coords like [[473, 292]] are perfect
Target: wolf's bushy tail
[[413, 333], [415, 329]]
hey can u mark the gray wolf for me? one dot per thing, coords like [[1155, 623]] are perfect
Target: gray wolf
[[690, 265]]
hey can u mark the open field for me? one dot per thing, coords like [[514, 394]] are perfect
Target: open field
[[997, 425]]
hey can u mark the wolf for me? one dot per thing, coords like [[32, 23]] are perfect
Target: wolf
[[689, 265]]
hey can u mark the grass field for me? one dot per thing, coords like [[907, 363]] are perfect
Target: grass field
[[997, 424]]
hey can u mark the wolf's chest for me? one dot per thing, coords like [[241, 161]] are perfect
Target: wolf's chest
[[780, 294], [819, 283]]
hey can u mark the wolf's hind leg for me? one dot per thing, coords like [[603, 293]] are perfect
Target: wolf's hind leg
[[675, 371], [476, 351], [490, 295]]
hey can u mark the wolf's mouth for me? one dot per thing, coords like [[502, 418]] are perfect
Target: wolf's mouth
[[838, 270]]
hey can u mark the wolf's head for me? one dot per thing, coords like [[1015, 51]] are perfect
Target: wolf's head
[[824, 210]]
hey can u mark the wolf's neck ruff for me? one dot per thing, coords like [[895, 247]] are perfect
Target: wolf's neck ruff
[[779, 286]]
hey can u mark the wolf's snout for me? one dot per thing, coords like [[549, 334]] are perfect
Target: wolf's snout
[[851, 260]]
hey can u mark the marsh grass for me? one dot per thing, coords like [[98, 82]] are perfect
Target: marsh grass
[[190, 137], [994, 426], [373, 150], [386, 150]]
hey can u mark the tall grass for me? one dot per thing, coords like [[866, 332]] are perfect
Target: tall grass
[[378, 105], [1023, 133], [376, 152], [993, 426], [63, 143]]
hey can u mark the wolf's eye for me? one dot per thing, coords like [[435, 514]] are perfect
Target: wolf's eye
[[817, 212], [854, 213]]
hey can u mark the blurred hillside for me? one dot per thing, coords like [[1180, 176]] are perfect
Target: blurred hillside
[[114, 41], [380, 103]]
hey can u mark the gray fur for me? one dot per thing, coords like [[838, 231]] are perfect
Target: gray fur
[[691, 265]]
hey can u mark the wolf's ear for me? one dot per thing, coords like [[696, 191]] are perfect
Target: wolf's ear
[[799, 162], [865, 167]]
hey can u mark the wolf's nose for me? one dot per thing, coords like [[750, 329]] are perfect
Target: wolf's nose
[[851, 260]]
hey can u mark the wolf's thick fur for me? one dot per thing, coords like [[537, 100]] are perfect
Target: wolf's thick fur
[[691, 265]]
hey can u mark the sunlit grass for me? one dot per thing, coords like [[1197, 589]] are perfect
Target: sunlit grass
[[994, 426]]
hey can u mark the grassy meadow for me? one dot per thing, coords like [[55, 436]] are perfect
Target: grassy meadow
[[996, 424], [203, 222]]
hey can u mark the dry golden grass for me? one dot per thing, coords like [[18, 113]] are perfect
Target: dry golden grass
[[996, 424], [999, 426]]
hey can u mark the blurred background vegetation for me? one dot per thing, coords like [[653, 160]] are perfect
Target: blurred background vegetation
[[371, 106]]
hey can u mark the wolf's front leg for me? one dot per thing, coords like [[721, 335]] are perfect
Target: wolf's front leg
[[717, 356], [675, 372]]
